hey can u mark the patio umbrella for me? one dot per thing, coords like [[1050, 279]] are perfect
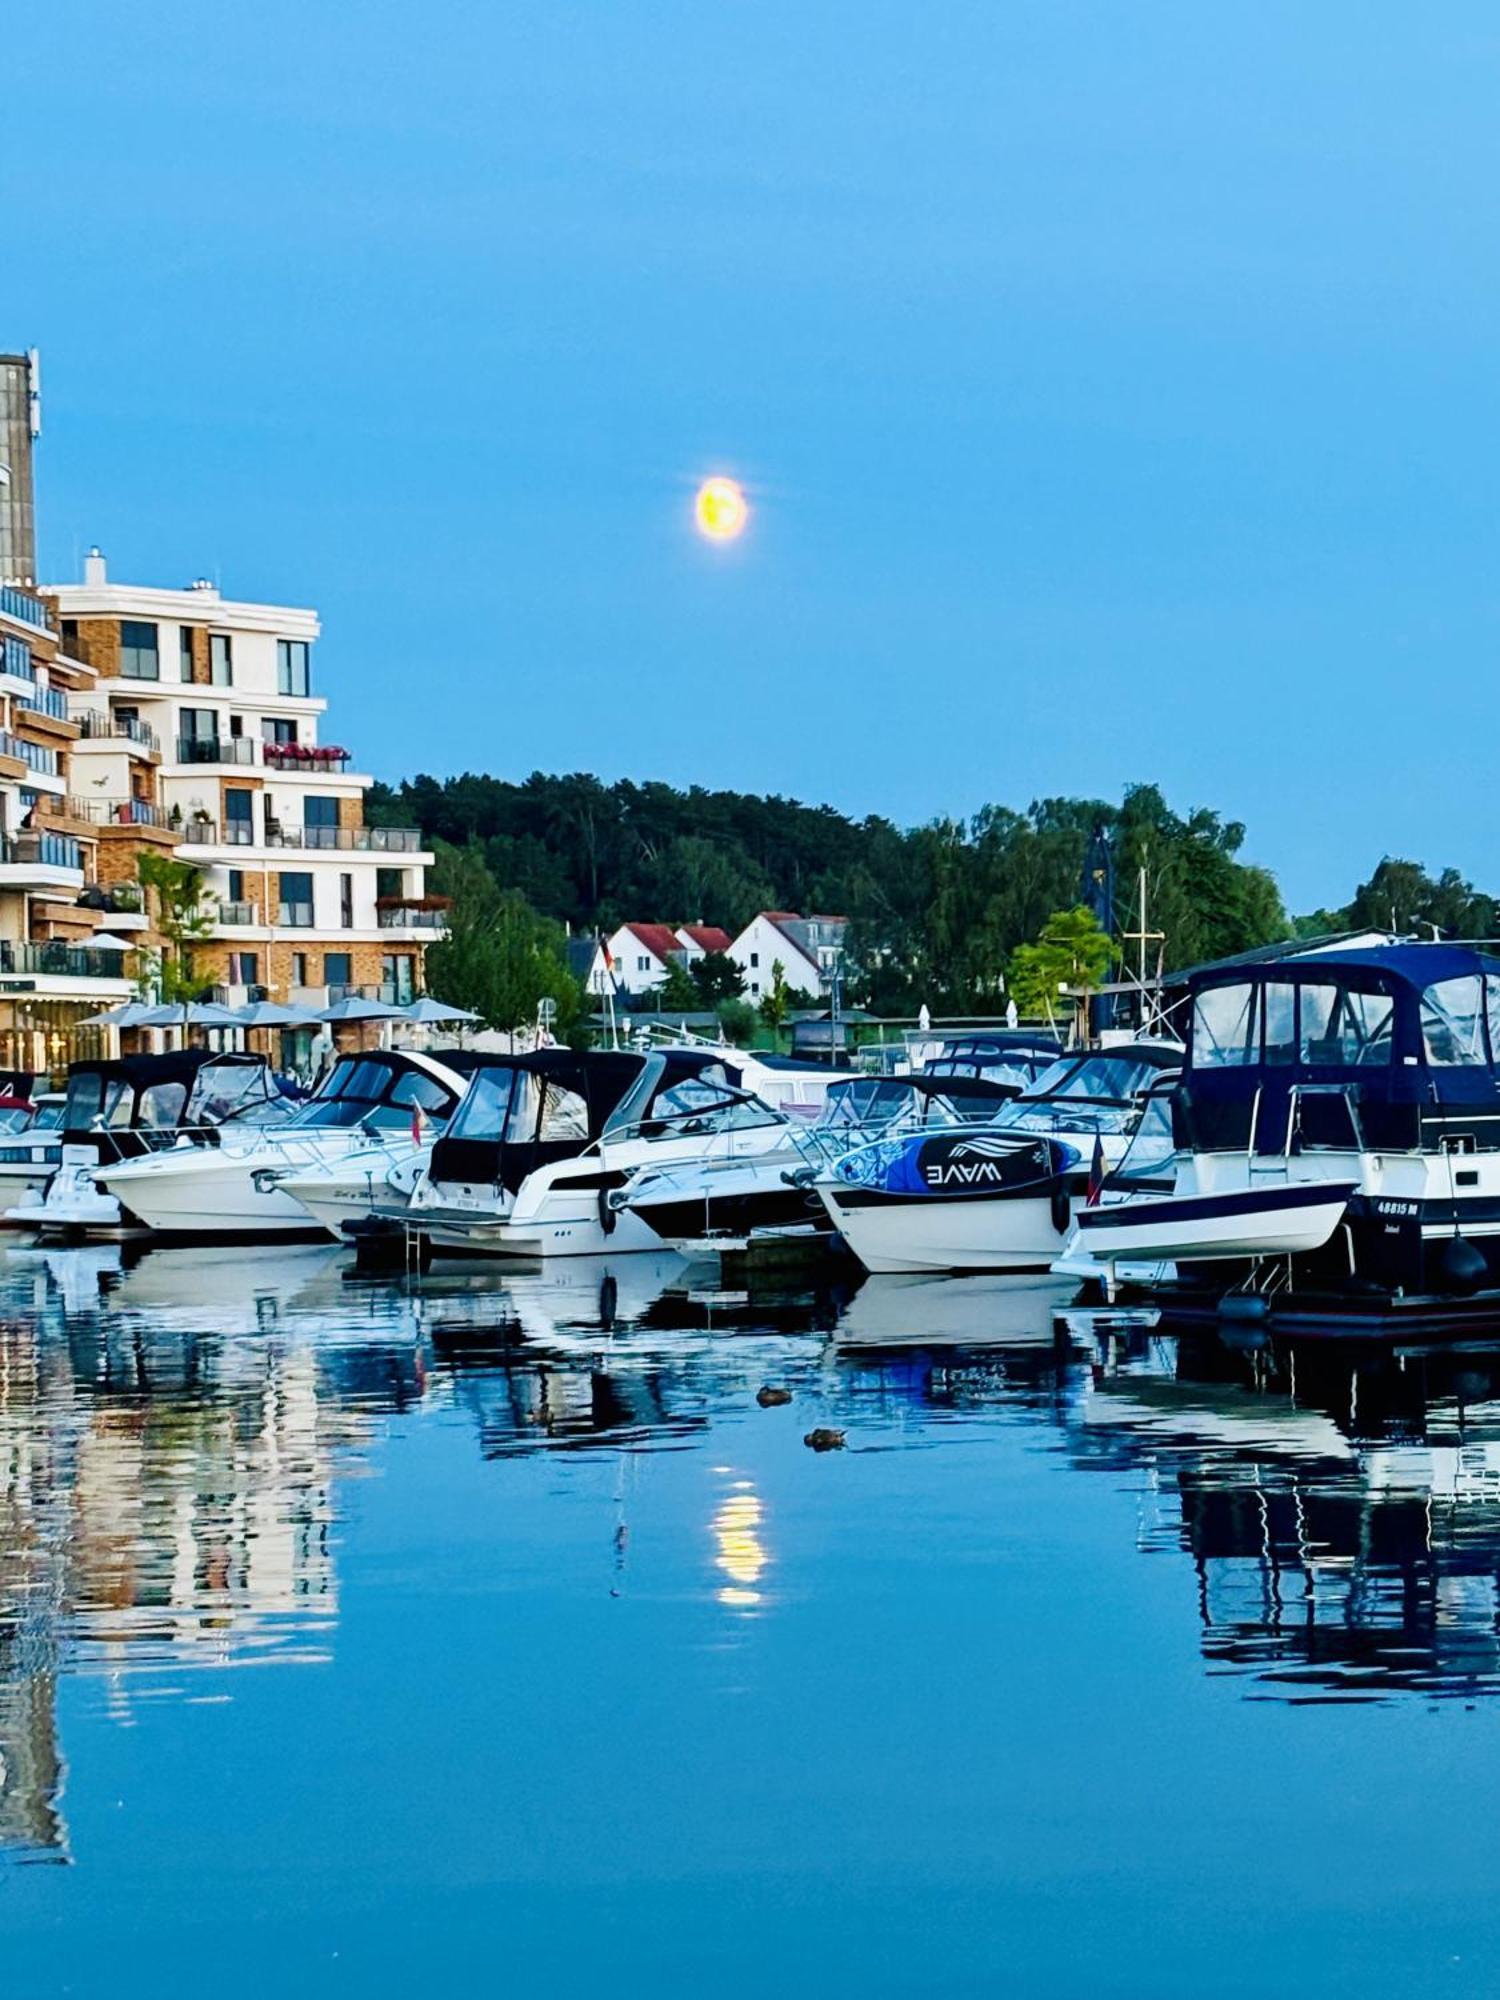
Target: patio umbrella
[[429, 1010], [107, 941], [188, 1014], [355, 1009], [272, 1014], [129, 1014]]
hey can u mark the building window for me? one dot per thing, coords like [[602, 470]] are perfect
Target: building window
[[138, 656], [643, 965], [244, 968], [239, 816], [70, 636], [185, 653], [299, 968], [389, 883], [277, 729], [291, 667], [755, 961], [236, 885], [398, 984], [296, 911], [220, 659], [338, 968], [346, 902]]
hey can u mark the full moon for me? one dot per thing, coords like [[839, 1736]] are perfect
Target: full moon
[[721, 509]]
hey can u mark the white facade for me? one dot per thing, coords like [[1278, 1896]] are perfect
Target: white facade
[[211, 729], [808, 953]]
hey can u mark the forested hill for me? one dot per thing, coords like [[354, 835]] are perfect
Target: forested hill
[[936, 909]]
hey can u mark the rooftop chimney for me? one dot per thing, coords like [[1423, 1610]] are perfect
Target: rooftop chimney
[[94, 571]]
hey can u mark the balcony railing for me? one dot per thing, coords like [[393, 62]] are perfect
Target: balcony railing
[[30, 610], [111, 812], [349, 839], [237, 913], [51, 850], [310, 758], [69, 961], [340, 839], [47, 701], [98, 722], [410, 920], [216, 749], [33, 755], [15, 658]]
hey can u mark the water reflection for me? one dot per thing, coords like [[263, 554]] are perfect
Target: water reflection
[[175, 1435]]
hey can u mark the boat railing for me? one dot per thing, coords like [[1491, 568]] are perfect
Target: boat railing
[[1294, 1136]]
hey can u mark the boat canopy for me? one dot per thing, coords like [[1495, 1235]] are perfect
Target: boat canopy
[[1308, 1048], [522, 1111], [127, 1093]]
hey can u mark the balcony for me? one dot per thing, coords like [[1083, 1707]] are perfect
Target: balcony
[[307, 758], [30, 610], [411, 920], [46, 701], [236, 913], [62, 961], [111, 812], [103, 725], [216, 749], [15, 659], [46, 850], [336, 839], [32, 755]]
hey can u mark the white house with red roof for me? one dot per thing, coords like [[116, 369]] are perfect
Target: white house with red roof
[[634, 959], [808, 949]]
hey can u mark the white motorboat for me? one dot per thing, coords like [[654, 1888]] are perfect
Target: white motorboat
[[1337, 1128], [726, 1196], [347, 1190], [232, 1186], [541, 1142], [122, 1110], [997, 1197], [30, 1145]]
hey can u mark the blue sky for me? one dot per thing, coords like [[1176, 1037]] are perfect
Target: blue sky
[[1115, 388]]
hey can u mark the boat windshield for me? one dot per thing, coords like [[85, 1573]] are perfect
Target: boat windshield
[[16, 1119], [1083, 1094], [231, 1090], [1151, 1143], [360, 1092], [517, 1107], [1021, 1067]]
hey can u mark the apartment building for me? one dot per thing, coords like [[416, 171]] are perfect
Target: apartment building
[[52, 976], [198, 733]]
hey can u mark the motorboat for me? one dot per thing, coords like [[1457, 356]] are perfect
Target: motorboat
[[227, 1183], [719, 1199], [1337, 1129], [30, 1143], [527, 1166], [344, 1192], [125, 1109], [1000, 1196]]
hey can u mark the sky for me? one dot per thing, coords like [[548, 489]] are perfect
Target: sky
[[1115, 388]]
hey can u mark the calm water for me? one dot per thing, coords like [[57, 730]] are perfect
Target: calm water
[[489, 1634]]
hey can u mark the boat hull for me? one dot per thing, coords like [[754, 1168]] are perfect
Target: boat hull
[[1209, 1228], [1015, 1233]]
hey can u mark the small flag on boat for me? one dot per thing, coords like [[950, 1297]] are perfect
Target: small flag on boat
[[1096, 1173], [418, 1125]]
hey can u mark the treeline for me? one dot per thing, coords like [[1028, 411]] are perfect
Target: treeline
[[936, 910]]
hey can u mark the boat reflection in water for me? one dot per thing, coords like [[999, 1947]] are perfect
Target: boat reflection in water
[[1341, 1508], [174, 1435]]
